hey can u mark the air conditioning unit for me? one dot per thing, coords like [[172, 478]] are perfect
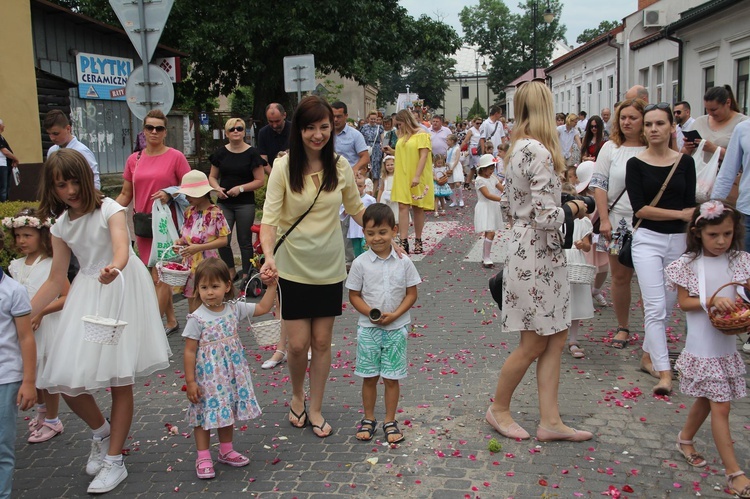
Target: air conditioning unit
[[653, 18]]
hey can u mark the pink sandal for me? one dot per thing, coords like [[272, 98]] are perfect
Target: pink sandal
[[45, 432], [36, 422], [233, 458], [204, 468]]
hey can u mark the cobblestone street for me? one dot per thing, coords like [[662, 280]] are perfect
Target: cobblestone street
[[456, 350]]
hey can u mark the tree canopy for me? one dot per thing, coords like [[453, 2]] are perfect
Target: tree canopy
[[508, 39], [589, 34], [233, 44]]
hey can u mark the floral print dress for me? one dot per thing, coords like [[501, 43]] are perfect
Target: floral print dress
[[536, 290], [200, 227], [221, 369]]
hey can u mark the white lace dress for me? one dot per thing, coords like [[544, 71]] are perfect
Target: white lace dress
[[32, 277], [76, 366]]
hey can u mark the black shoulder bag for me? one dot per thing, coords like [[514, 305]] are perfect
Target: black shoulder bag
[[597, 223]]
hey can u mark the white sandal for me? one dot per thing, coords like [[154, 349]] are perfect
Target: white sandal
[[575, 351], [270, 363]]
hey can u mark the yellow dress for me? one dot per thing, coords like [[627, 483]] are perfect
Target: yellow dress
[[407, 158]]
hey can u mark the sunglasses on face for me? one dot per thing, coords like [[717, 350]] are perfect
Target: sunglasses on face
[[236, 129], [151, 128], [661, 105]]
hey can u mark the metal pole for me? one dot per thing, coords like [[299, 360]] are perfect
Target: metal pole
[[144, 50], [298, 68], [476, 62], [535, 7], [460, 97]]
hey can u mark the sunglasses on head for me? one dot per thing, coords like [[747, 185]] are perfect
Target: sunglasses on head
[[151, 128], [661, 105], [236, 129]]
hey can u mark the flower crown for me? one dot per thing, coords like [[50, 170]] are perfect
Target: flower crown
[[711, 210], [27, 221]]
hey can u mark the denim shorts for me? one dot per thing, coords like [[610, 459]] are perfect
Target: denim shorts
[[381, 352]]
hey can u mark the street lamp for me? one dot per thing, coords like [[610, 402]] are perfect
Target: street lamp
[[548, 16], [484, 68], [460, 97]]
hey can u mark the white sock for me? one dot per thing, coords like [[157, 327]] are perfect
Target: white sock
[[460, 193], [595, 291], [52, 421], [103, 432], [487, 248], [573, 332], [41, 407], [113, 459]]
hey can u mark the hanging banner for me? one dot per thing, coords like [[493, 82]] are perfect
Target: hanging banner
[[102, 77]]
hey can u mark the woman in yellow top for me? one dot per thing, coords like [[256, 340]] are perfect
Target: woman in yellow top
[[412, 181], [310, 259]]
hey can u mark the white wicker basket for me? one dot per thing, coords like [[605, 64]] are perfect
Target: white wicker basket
[[266, 333], [104, 330], [581, 273], [171, 277]]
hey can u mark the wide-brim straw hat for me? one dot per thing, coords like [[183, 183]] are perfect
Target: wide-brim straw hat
[[195, 184], [584, 172], [485, 161]]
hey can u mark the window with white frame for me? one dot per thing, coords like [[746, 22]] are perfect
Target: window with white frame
[[675, 75], [743, 73], [644, 78], [709, 78], [659, 75], [610, 91]]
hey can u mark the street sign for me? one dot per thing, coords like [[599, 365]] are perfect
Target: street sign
[[161, 91], [299, 74], [151, 23]]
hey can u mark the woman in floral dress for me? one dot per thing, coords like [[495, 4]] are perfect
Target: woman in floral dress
[[536, 291]]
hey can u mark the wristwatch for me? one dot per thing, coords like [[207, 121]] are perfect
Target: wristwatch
[[242, 189]]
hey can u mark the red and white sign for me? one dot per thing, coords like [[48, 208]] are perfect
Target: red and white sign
[[171, 66]]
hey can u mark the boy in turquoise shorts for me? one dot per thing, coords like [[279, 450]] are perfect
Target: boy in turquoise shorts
[[382, 287]]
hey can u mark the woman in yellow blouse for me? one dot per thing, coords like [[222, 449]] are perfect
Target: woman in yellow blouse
[[413, 185], [309, 262]]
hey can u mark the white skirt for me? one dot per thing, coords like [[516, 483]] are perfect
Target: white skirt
[[75, 365], [43, 338], [581, 303], [487, 216]]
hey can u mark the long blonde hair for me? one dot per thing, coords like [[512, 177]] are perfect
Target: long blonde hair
[[409, 125], [535, 119]]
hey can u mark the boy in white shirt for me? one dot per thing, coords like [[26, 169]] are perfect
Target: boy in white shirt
[[354, 232], [383, 288]]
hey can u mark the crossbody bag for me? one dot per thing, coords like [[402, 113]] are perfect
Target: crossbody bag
[[141, 221], [598, 220]]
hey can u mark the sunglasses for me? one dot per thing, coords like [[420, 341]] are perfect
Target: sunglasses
[[236, 129], [151, 128], [661, 105]]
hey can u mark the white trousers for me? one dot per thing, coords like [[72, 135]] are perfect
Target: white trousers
[[652, 252]]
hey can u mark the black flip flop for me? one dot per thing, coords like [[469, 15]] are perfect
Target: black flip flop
[[320, 428], [299, 417], [368, 425]]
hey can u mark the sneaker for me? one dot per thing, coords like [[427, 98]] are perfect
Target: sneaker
[[452, 205], [488, 264], [45, 432], [99, 448], [746, 346], [600, 300], [233, 458], [110, 476], [461, 204], [204, 468]]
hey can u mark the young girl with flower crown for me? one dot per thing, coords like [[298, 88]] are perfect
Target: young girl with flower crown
[[710, 367], [219, 385], [32, 238], [93, 228], [386, 184]]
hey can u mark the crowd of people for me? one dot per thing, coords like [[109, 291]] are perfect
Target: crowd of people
[[353, 194]]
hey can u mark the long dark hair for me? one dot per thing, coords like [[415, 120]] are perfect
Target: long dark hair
[[720, 95], [694, 243], [589, 138], [310, 110]]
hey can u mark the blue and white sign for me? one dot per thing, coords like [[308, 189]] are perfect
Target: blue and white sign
[[102, 77]]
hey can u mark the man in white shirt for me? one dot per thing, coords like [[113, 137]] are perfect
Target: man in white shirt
[[684, 121], [57, 126], [606, 115], [439, 135], [492, 130], [583, 121], [7, 161]]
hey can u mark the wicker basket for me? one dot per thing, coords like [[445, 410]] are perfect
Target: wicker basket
[[733, 325], [104, 330], [581, 273], [175, 278], [266, 333]]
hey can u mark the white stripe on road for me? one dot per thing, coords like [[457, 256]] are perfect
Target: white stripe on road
[[499, 249], [432, 234]]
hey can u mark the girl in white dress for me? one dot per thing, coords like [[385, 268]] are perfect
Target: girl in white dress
[[94, 229], [457, 172], [31, 237], [581, 304], [487, 215], [386, 184], [710, 368]]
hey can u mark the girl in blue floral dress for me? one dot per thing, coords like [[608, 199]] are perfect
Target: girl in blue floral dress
[[219, 385]]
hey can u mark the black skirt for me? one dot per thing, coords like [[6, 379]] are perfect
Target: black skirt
[[306, 301]]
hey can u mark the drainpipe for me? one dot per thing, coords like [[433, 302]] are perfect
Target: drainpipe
[[680, 52], [610, 38]]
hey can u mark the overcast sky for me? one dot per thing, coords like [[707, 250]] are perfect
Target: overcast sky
[[577, 15]]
